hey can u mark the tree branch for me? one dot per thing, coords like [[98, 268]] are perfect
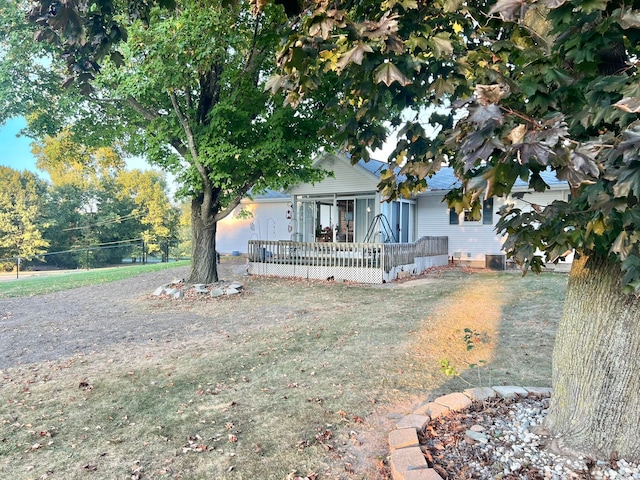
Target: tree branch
[[235, 202], [147, 113], [207, 193]]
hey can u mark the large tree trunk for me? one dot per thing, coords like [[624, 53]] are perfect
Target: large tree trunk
[[596, 364], [204, 267]]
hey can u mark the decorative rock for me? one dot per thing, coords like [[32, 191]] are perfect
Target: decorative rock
[[432, 409], [231, 291], [422, 474], [200, 288], [404, 459], [236, 285], [480, 394], [158, 291], [171, 291], [176, 281], [542, 391], [177, 294], [216, 292], [477, 436]]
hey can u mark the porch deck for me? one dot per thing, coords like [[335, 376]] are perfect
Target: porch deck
[[358, 262]]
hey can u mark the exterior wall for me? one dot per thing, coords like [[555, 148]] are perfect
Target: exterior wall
[[471, 241], [347, 179], [269, 223]]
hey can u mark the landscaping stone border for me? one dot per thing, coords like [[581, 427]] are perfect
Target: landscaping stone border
[[407, 461]]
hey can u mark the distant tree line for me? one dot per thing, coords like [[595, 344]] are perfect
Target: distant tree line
[[93, 212]]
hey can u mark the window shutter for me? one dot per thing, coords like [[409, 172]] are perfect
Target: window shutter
[[487, 212], [454, 218]]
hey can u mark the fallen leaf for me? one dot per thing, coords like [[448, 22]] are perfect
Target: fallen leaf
[[85, 386]]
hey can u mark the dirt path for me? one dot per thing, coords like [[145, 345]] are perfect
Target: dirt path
[[91, 318]]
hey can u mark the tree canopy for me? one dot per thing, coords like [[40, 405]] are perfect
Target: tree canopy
[[22, 197], [513, 88], [510, 89], [184, 86], [93, 201]]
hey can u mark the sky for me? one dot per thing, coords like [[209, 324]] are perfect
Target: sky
[[15, 152]]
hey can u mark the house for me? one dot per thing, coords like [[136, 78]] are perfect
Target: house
[[343, 208], [475, 242], [348, 208]]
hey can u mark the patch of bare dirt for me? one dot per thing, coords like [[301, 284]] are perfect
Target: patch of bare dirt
[[91, 318]]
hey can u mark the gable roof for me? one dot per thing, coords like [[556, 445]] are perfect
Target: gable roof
[[347, 178]]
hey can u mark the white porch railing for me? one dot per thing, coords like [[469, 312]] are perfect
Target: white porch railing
[[360, 262]]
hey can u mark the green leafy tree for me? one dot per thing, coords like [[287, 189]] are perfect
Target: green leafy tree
[[157, 216], [182, 247], [21, 198], [511, 89], [185, 89], [97, 203]]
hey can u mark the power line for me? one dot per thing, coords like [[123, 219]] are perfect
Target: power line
[[99, 246], [118, 219]]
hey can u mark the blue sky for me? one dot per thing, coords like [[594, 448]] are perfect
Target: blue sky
[[15, 152]]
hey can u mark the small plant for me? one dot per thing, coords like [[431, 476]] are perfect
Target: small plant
[[448, 369], [471, 338]]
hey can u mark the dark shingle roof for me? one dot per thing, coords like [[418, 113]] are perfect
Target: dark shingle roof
[[445, 178]]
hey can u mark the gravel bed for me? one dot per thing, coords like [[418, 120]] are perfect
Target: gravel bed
[[505, 439]]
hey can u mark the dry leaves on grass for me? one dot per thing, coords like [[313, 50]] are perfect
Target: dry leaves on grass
[[294, 476], [195, 445]]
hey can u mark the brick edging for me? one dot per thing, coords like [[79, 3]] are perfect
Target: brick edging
[[407, 461]]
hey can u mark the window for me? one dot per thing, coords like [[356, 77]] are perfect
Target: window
[[468, 217], [487, 214]]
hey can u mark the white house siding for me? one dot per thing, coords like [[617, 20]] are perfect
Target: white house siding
[[269, 222], [542, 198], [470, 241], [347, 179]]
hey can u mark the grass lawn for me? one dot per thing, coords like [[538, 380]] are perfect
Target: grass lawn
[[311, 389], [52, 281]]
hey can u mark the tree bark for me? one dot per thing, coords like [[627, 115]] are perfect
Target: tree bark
[[596, 364], [204, 267]]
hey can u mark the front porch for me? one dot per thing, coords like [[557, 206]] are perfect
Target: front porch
[[356, 262]]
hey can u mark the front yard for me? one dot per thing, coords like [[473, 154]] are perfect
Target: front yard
[[291, 378]]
